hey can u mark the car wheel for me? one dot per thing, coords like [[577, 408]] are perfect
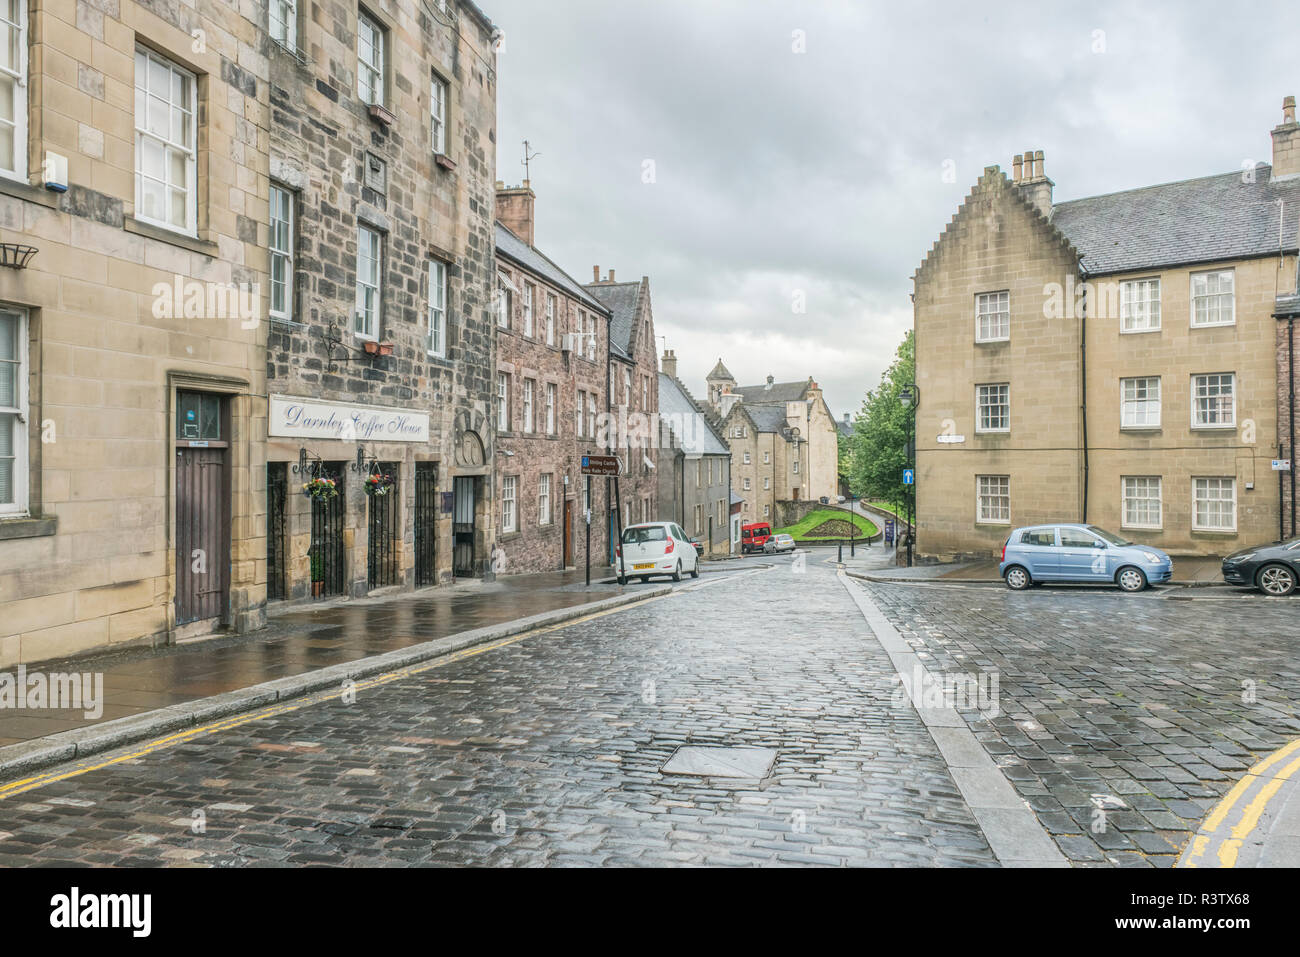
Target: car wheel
[[677, 572], [1017, 578], [1131, 579], [1276, 581], [695, 572]]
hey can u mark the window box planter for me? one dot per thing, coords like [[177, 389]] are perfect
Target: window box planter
[[373, 348]]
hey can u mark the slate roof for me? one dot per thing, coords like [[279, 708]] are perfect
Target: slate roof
[[1210, 219], [621, 299], [1287, 306], [767, 418], [845, 428], [776, 392], [720, 372], [698, 437], [514, 248]]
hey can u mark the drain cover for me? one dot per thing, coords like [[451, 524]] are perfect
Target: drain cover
[[721, 762]]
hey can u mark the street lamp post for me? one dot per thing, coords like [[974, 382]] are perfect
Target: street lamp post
[[910, 397]]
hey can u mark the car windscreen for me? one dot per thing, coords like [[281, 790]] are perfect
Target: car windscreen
[[639, 536], [1107, 536]]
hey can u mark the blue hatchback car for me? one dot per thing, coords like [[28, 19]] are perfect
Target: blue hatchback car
[[1080, 553]]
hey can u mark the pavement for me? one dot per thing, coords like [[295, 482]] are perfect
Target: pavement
[[951, 725], [303, 638]]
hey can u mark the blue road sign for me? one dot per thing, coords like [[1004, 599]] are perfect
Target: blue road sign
[[909, 476], [586, 461]]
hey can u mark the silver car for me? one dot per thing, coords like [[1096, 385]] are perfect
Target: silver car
[[778, 543]]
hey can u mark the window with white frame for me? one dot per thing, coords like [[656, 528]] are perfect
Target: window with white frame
[[1140, 403], [767, 483], [1142, 501], [746, 458], [767, 510], [284, 22], [165, 135], [503, 402], [1139, 305], [550, 408], [767, 458], [747, 485], [1214, 401], [591, 415], [369, 259], [993, 408], [544, 500], [580, 414], [13, 411], [282, 241], [699, 473], [627, 387], [437, 344], [645, 393], [13, 88], [370, 60], [505, 303], [438, 114], [550, 319], [591, 337], [528, 405], [1213, 301], [993, 316], [993, 499], [1214, 504], [528, 309], [796, 466], [722, 512], [509, 502]]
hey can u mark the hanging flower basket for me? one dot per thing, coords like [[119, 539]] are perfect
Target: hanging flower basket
[[377, 484], [320, 489]]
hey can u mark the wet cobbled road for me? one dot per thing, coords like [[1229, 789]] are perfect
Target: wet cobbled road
[[549, 750]]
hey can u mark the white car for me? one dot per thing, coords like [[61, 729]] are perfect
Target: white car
[[779, 543], [655, 548]]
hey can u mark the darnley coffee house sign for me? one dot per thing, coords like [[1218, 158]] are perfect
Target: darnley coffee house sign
[[308, 419]]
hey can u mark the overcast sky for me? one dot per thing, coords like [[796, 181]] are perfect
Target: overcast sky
[[823, 172]]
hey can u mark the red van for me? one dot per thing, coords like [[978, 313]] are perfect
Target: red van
[[754, 536]]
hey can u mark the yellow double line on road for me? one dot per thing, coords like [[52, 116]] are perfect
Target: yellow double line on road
[[1214, 848], [225, 724]]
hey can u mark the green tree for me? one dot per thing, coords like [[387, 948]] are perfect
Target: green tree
[[879, 443]]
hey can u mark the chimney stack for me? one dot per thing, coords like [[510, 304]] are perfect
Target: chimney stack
[[1286, 143], [668, 366], [1037, 187], [595, 274], [726, 401], [1017, 168], [611, 275], [515, 209]]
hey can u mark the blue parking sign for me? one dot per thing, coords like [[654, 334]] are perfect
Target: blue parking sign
[[909, 476]]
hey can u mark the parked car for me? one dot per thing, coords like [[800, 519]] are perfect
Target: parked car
[[753, 536], [1080, 553], [699, 547], [655, 548], [778, 543], [1273, 569]]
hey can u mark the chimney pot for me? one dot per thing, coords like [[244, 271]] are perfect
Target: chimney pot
[[611, 275], [1038, 164], [1288, 110], [595, 274], [1286, 144], [1017, 168]]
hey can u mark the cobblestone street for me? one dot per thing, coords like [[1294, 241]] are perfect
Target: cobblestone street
[[1120, 721], [549, 751]]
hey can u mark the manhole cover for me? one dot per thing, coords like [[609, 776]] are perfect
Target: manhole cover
[[721, 762]]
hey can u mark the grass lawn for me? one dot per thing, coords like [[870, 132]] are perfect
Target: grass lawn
[[799, 532], [893, 510]]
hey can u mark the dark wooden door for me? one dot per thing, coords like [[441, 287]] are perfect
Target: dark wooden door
[[426, 523], [463, 508], [202, 535], [277, 500]]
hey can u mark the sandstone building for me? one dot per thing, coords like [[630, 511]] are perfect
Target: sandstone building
[[783, 439], [700, 488], [552, 370], [382, 309], [1112, 360], [633, 384], [133, 199]]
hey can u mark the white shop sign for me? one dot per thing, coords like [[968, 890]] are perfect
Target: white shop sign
[[291, 417]]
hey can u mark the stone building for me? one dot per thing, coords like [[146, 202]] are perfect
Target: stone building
[[1286, 168], [380, 352], [784, 442], [633, 385], [552, 361], [1109, 360], [701, 490], [133, 177]]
